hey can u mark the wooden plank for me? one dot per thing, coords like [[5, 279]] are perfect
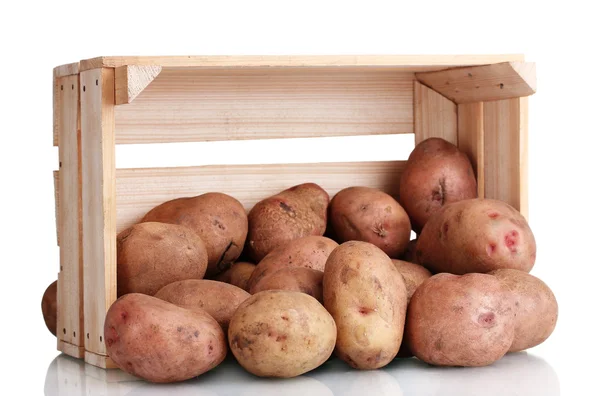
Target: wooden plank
[[76, 351], [130, 81], [470, 139], [99, 203], [99, 360], [56, 177], [66, 70], [483, 83], [524, 156], [139, 190], [183, 105], [434, 115]]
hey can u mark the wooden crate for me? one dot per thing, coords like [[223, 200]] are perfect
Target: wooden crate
[[477, 102]]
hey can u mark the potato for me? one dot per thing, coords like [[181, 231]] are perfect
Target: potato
[[413, 275], [305, 280], [466, 320], [238, 274], [366, 296], [410, 254], [220, 220], [50, 307], [308, 252], [293, 213], [161, 342], [152, 255], [218, 299], [436, 174], [370, 215], [537, 309], [476, 235], [278, 333]]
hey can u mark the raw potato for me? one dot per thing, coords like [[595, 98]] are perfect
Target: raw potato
[[413, 275], [161, 342], [476, 235], [537, 309], [50, 307], [436, 173], [277, 333], [220, 220], [366, 296], [410, 254], [152, 255], [464, 320], [293, 213], [308, 252], [305, 280], [370, 215], [238, 274]]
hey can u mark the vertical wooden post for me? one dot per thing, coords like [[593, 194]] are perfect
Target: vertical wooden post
[[470, 139], [434, 115]]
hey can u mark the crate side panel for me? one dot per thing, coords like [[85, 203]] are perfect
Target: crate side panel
[[434, 115], [470, 139]]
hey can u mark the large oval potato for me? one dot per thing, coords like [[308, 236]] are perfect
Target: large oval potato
[[293, 213], [278, 333], [370, 215], [152, 255], [537, 309], [219, 219], [305, 280], [218, 299], [464, 320], [161, 342], [366, 296], [50, 307], [476, 235], [238, 274]]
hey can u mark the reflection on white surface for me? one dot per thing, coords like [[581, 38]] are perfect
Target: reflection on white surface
[[515, 374]]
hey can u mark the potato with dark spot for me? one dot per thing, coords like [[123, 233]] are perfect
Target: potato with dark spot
[[305, 280], [366, 296], [278, 333], [370, 215], [152, 255], [218, 299], [219, 219], [410, 254], [50, 307], [161, 342], [466, 320], [476, 235], [238, 274], [293, 213], [536, 306], [436, 174]]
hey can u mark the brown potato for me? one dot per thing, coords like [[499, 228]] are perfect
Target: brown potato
[[50, 307], [436, 174], [413, 274], [370, 215], [410, 254], [305, 280], [464, 320], [366, 296], [238, 274], [476, 235], [220, 220], [161, 342], [218, 299], [278, 333], [293, 213], [537, 309], [152, 255]]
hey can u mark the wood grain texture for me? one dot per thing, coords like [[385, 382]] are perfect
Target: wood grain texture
[[130, 81], [99, 360], [76, 351], [524, 156], [434, 115], [56, 177], [483, 83], [66, 70], [471, 139]]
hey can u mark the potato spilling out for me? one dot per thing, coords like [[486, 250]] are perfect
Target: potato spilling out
[[238, 274], [305, 280], [50, 307]]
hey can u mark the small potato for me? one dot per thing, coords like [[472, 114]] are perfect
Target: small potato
[[278, 333], [410, 254], [370, 215], [476, 235], [464, 320], [238, 274], [537, 309], [161, 342], [50, 307], [413, 274], [305, 280], [366, 296], [152, 255]]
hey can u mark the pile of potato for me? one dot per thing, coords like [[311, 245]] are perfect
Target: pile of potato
[[364, 292]]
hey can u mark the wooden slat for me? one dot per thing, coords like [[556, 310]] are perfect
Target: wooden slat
[[470, 139], [130, 81], [524, 156], [56, 177], [434, 115], [99, 203], [139, 190], [183, 105], [99, 360], [483, 83], [76, 351], [66, 70]]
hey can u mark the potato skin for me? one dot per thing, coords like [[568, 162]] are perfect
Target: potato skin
[[305, 280], [476, 235], [436, 173], [293, 213], [238, 274], [278, 333], [370, 215], [466, 320], [410, 254], [537, 309], [161, 342], [366, 296], [152, 255], [413, 274], [50, 307], [219, 219], [218, 299]]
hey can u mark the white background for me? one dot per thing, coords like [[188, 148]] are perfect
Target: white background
[[564, 192]]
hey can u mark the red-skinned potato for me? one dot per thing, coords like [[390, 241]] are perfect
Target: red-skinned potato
[[238, 274], [305, 280], [410, 254], [50, 307]]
